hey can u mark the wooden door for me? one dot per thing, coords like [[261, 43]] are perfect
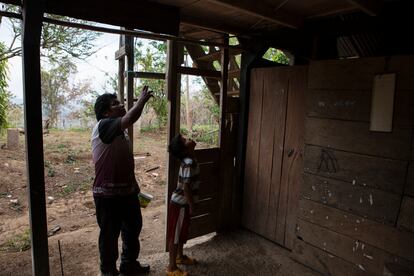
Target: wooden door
[[274, 152]]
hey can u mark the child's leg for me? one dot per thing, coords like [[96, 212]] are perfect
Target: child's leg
[[180, 253], [173, 248]]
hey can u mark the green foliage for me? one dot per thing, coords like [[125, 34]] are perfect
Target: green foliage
[[206, 110], [15, 115], [152, 59], [70, 158], [233, 41], [74, 186], [50, 171], [57, 42], [18, 243], [4, 93], [57, 90], [276, 56], [205, 133]]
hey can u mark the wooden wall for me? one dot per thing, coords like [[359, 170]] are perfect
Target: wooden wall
[[356, 207]]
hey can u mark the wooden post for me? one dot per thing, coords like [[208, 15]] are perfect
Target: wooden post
[[32, 25], [225, 156], [121, 71], [223, 87], [173, 84], [129, 48]]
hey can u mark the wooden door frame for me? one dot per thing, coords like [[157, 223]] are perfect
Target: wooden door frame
[[173, 78]]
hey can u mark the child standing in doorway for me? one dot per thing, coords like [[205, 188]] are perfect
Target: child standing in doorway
[[181, 205]]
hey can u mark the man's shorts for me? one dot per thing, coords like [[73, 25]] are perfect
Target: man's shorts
[[178, 223]]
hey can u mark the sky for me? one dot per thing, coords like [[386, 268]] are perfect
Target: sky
[[94, 68]]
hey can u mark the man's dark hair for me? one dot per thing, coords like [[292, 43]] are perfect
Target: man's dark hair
[[102, 105], [177, 147]]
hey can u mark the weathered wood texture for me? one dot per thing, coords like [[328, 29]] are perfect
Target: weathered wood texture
[[365, 256], [356, 137], [355, 105], [398, 242], [265, 135], [32, 13], [323, 261], [205, 218], [252, 149], [371, 203], [293, 154], [351, 203], [406, 218], [409, 188], [360, 170], [274, 152]]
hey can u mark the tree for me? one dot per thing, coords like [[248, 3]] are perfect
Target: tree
[[276, 55], [56, 41], [4, 93], [152, 59], [57, 89]]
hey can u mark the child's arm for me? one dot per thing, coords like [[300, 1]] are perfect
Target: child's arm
[[189, 196]]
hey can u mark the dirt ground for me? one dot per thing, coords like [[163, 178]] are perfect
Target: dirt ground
[[70, 209]]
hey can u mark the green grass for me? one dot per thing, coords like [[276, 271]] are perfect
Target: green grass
[[75, 186], [18, 243]]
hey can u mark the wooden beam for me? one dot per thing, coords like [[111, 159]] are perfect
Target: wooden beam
[[199, 72], [371, 7], [121, 52], [206, 24], [129, 46], [217, 55], [141, 34], [143, 15], [230, 93], [234, 73], [148, 75], [32, 25], [264, 11]]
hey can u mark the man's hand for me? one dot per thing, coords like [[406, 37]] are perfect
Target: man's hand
[[145, 95], [135, 112]]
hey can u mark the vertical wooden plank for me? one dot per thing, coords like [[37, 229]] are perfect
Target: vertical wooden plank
[[129, 48], [271, 150], [226, 155], [270, 109], [32, 13], [292, 176], [252, 149], [223, 88], [121, 71], [248, 61], [173, 82]]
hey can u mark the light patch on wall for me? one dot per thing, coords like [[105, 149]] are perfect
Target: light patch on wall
[[382, 107]]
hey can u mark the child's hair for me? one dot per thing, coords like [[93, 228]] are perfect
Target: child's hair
[[177, 147], [102, 104]]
